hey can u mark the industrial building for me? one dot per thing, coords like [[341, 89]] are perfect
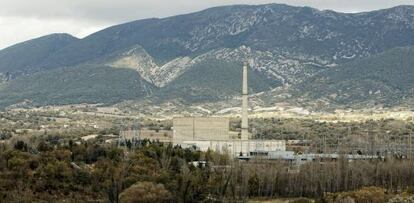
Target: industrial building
[[200, 128], [238, 148], [164, 136], [213, 133]]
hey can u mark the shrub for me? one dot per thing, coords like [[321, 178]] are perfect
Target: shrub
[[144, 192], [410, 190], [369, 194], [363, 195], [401, 199], [301, 200]]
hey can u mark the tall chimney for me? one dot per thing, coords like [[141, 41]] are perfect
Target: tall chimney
[[245, 122]]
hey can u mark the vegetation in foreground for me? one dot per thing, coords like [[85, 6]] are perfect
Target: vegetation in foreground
[[43, 158], [95, 171]]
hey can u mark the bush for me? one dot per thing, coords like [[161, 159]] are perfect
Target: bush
[[401, 199], [5, 134], [346, 200], [410, 190], [21, 146], [301, 200], [363, 195], [144, 192], [369, 194]]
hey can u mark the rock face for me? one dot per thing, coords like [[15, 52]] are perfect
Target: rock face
[[289, 47], [138, 59]]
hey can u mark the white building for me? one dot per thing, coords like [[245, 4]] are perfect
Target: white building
[[238, 147]]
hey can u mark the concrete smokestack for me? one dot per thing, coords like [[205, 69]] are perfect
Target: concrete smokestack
[[245, 121]]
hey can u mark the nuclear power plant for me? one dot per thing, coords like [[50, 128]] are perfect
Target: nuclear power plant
[[212, 133]]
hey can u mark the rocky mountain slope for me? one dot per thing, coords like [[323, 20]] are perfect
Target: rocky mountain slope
[[386, 79], [196, 57], [83, 84], [25, 58]]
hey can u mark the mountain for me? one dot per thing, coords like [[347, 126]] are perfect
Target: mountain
[[85, 84], [301, 31], [197, 57], [25, 58], [213, 80], [386, 79]]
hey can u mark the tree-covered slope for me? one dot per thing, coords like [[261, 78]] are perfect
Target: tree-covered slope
[[383, 79], [26, 57], [214, 80], [85, 84], [197, 57]]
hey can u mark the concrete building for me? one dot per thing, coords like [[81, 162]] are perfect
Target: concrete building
[[200, 128], [164, 136], [236, 148]]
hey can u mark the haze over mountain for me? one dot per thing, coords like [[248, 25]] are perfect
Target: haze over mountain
[[197, 58]]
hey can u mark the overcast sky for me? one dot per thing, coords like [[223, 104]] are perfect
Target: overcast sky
[[21, 20]]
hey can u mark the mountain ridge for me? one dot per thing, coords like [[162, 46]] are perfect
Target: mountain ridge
[[382, 80], [287, 45], [23, 58]]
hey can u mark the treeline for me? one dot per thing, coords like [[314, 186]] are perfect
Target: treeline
[[92, 171], [317, 178], [276, 128], [152, 172], [382, 137]]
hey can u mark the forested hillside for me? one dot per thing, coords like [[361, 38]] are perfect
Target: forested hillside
[[196, 57], [386, 79]]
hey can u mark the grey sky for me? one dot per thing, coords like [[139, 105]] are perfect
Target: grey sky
[[21, 20]]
